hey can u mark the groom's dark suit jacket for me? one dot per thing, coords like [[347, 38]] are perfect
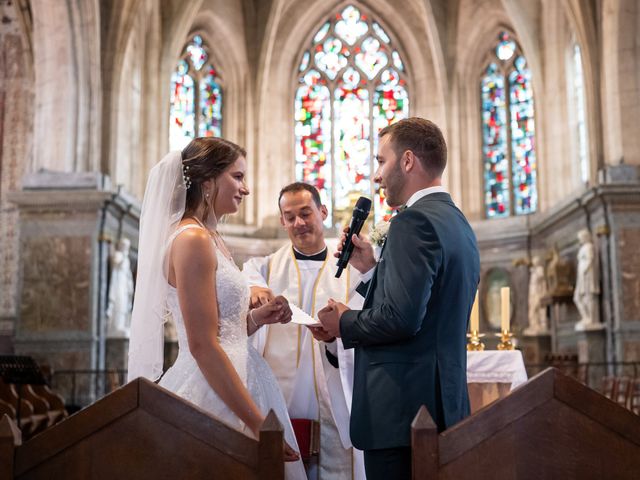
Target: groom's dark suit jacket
[[410, 337]]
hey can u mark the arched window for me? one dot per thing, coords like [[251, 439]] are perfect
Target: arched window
[[196, 97], [508, 132], [579, 122], [352, 84]]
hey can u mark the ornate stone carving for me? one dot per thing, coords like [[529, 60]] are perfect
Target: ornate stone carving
[[120, 292], [56, 275], [559, 275], [587, 291], [538, 323]]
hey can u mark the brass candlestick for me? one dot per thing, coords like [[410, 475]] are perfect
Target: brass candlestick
[[505, 340], [474, 344]]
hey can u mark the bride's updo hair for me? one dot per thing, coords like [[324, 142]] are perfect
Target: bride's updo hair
[[203, 159]]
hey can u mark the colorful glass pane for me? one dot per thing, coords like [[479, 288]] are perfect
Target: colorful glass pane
[[305, 62], [390, 104], [523, 163], [350, 26], [352, 133], [321, 33], [380, 32], [331, 57], [181, 111], [313, 135], [494, 143], [372, 58], [210, 124], [581, 124], [506, 47], [397, 61], [196, 53]]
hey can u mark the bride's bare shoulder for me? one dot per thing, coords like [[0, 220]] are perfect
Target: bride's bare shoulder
[[194, 242]]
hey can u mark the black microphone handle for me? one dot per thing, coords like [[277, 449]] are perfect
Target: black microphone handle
[[347, 249]]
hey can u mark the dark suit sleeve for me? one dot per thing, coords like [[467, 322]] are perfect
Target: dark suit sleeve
[[413, 258]]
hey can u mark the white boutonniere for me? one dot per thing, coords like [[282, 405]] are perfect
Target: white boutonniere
[[379, 233]]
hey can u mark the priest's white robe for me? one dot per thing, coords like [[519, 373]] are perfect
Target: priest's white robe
[[312, 387]]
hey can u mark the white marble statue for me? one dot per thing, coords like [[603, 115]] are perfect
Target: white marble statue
[[585, 295], [120, 292], [537, 291]]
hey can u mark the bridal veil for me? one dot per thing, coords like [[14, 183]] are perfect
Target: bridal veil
[[162, 209]]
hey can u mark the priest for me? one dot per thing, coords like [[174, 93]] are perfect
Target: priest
[[313, 369]]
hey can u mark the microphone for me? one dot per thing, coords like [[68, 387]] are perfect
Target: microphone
[[360, 214]]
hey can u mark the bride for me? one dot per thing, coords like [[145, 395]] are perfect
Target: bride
[[185, 269]]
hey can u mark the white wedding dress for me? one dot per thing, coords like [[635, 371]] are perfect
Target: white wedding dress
[[185, 379]]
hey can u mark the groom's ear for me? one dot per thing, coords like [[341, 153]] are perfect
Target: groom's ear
[[408, 161]]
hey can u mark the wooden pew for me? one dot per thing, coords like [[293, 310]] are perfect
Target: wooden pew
[[56, 410], [550, 427], [143, 431], [30, 421], [10, 438], [22, 382]]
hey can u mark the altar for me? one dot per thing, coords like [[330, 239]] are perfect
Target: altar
[[492, 374]]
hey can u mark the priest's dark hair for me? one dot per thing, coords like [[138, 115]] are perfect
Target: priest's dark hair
[[205, 158], [423, 138], [299, 187]]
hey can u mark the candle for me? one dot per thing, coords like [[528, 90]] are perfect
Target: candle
[[505, 310], [475, 321]]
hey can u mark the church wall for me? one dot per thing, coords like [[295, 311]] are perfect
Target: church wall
[[620, 69], [16, 150], [610, 213], [66, 40]]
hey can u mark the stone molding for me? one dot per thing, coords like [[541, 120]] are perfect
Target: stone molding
[[56, 200]]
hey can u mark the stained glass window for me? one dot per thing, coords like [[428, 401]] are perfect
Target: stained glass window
[[494, 135], [579, 113], [196, 97], [508, 133], [352, 84]]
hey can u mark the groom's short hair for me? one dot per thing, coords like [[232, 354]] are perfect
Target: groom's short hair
[[423, 138], [299, 187]]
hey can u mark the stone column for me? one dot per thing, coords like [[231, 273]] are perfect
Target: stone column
[[592, 349], [66, 55], [66, 224]]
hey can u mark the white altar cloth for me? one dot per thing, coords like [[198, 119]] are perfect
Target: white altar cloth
[[496, 366]]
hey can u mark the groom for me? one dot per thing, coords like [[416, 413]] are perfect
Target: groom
[[410, 336]]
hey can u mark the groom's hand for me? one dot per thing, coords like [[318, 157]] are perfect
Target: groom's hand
[[362, 257], [320, 334], [330, 315]]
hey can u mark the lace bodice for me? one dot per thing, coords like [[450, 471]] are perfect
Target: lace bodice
[[233, 304]]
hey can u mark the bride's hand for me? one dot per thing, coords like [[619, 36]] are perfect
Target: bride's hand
[[260, 296], [276, 311], [290, 455]]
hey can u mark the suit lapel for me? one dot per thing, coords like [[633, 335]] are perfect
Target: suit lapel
[[374, 278], [438, 196]]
